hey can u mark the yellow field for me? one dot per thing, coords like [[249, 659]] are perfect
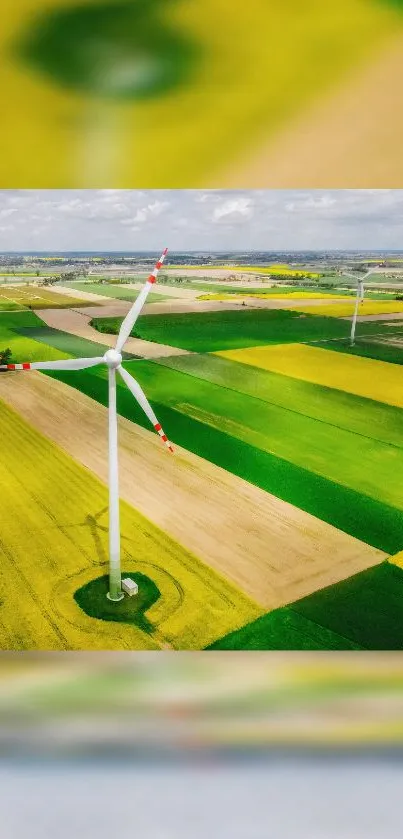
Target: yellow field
[[54, 539], [345, 310], [293, 295], [239, 97], [397, 559], [362, 376]]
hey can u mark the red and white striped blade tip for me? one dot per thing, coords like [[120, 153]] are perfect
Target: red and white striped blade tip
[[163, 436], [15, 366]]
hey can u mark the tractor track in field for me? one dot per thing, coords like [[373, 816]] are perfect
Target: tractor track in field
[[271, 550]]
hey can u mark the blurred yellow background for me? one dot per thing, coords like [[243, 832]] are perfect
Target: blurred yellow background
[[291, 93], [141, 703]]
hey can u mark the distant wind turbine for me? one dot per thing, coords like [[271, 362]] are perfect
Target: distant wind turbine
[[113, 360], [359, 299]]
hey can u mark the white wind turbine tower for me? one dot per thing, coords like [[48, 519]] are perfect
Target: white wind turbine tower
[[113, 360], [359, 299]]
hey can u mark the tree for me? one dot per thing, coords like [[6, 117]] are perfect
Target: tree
[[5, 356]]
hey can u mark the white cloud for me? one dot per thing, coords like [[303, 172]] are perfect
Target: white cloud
[[200, 219], [9, 211], [233, 210]]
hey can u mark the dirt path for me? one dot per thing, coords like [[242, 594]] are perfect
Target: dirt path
[[76, 322], [270, 549], [355, 135], [395, 316]]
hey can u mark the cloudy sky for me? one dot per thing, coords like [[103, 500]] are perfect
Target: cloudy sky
[[200, 219]]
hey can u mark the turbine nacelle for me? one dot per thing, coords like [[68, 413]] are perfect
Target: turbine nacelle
[[113, 359]]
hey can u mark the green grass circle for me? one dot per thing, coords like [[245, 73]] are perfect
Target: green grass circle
[[92, 599]]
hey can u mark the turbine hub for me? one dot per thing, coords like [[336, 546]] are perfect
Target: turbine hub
[[113, 358]]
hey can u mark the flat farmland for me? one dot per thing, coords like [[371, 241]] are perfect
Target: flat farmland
[[270, 550], [260, 441], [221, 330], [118, 291], [364, 612], [53, 542], [283, 485], [365, 377], [34, 297]]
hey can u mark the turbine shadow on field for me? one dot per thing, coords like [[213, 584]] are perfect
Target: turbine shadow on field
[[91, 521]]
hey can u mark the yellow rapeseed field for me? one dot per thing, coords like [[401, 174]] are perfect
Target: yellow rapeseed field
[[353, 374], [397, 559], [54, 540], [345, 310]]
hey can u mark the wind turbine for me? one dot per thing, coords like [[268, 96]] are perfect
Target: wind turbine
[[359, 299], [113, 361]]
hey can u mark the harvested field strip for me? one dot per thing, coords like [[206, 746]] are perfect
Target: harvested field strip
[[354, 460], [372, 379], [367, 519], [271, 550], [368, 307], [364, 611], [54, 537], [343, 410]]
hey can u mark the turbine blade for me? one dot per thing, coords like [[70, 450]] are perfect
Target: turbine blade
[[132, 315], [65, 364], [141, 398]]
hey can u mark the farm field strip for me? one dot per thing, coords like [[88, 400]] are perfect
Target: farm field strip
[[368, 307], [78, 323], [365, 417], [53, 541], [242, 327], [269, 549], [120, 292], [362, 612], [378, 347], [37, 298], [376, 380], [363, 517], [292, 295]]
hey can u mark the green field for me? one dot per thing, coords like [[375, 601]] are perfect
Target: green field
[[362, 612], [213, 331], [283, 629], [368, 349], [17, 332]]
